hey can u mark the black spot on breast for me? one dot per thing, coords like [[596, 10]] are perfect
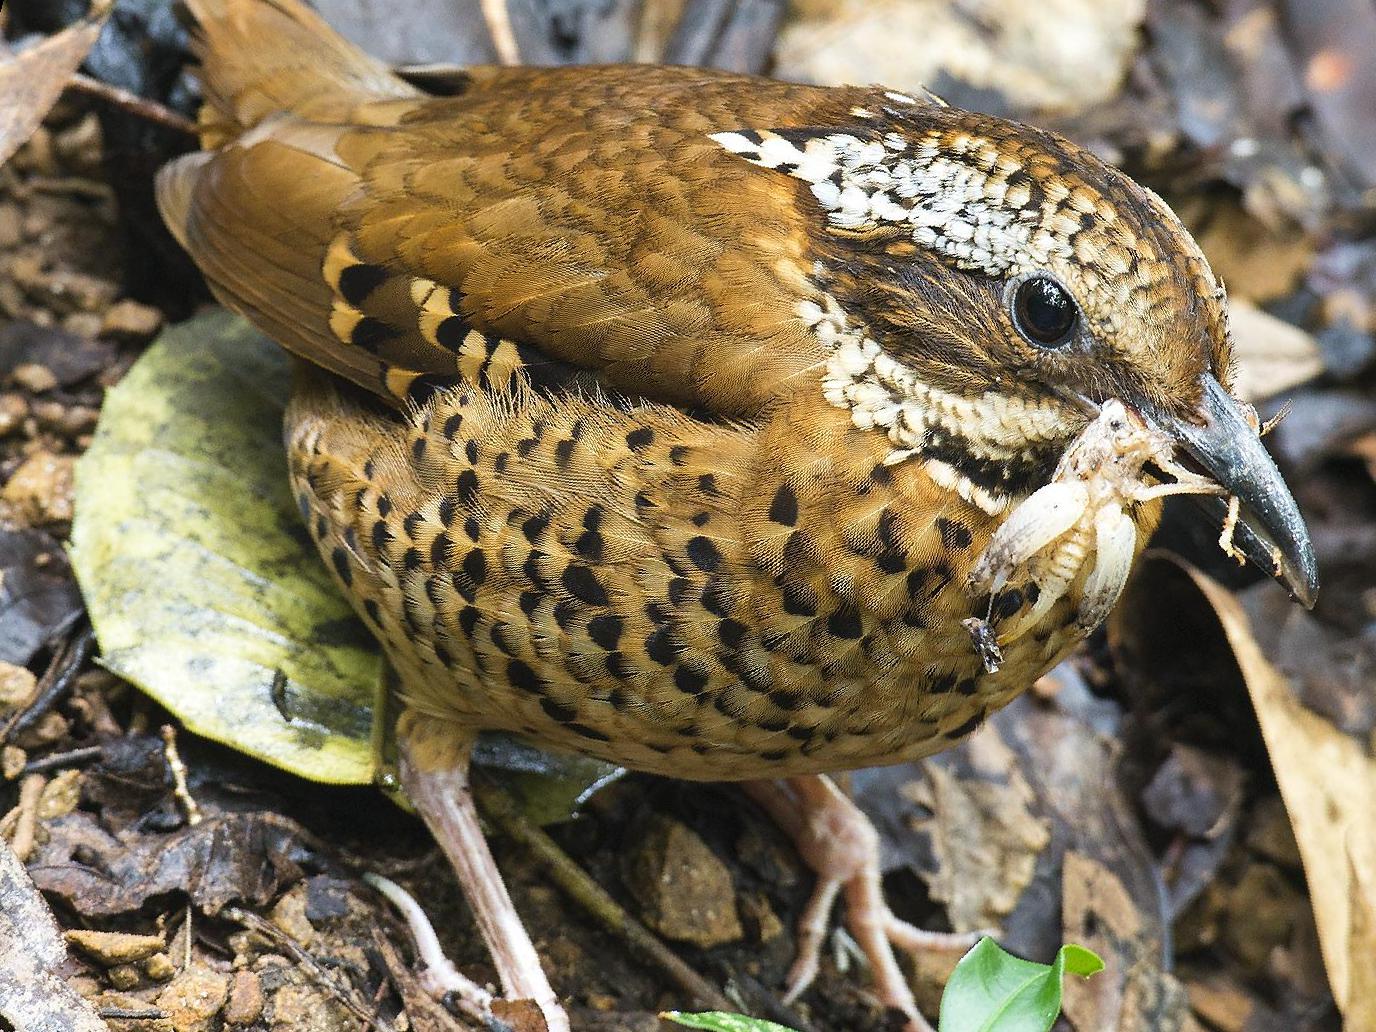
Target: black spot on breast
[[605, 631], [640, 438], [563, 451], [783, 510], [525, 446], [470, 451], [340, 558], [521, 676], [707, 484], [953, 535], [716, 596], [564, 612], [358, 281], [374, 613], [321, 527], [845, 623], [589, 546], [678, 590], [500, 634], [731, 632], [881, 475], [467, 486], [786, 699], [690, 678], [418, 449], [439, 551], [447, 508], [582, 584], [661, 647], [704, 554], [384, 506], [678, 454], [471, 528], [370, 334], [442, 654], [411, 560], [656, 612], [412, 521], [533, 527], [451, 332], [452, 424], [475, 566], [530, 601], [500, 462], [967, 686], [798, 599], [558, 711], [943, 684], [700, 518]]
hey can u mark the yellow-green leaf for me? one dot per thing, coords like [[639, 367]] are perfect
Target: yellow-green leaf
[[201, 583]]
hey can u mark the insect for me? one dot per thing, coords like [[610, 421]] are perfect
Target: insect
[[1077, 524]]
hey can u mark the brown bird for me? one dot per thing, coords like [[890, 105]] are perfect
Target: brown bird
[[670, 415]]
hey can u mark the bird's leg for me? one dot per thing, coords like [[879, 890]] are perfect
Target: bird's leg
[[444, 799], [837, 840]]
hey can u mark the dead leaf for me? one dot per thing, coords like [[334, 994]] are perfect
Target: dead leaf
[[32, 81], [1272, 355], [1328, 781], [39, 600], [233, 857]]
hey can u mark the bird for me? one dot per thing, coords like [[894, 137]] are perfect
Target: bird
[[668, 415]]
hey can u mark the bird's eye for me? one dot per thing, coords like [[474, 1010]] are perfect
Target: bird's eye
[[1044, 312]]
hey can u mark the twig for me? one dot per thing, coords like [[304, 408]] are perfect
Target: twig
[[498, 19], [178, 768], [70, 758], [131, 1014], [56, 681], [497, 806], [132, 103], [313, 966], [472, 999], [23, 819]]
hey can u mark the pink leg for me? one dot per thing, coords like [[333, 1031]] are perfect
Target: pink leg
[[841, 846], [445, 802]]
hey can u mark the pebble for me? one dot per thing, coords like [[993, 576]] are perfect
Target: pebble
[[13, 409], [41, 489], [16, 685], [11, 227], [685, 891], [130, 320], [159, 967], [111, 948], [245, 1004], [194, 998], [33, 377]]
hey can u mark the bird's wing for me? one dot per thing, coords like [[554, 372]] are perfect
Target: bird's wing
[[553, 220]]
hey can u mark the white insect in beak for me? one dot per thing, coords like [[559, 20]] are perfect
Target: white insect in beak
[[1075, 525]]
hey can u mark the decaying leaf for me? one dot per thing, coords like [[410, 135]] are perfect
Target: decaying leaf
[[1272, 355], [228, 858], [38, 596], [1328, 782], [986, 834], [31, 81]]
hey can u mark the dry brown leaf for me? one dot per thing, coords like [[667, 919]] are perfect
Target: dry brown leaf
[[32, 81], [1272, 355], [1328, 782]]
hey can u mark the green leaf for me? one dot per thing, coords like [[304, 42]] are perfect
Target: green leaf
[[720, 1021], [201, 583], [994, 991]]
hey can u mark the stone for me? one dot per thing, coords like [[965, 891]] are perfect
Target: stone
[[685, 891], [111, 948], [245, 1004], [41, 490], [194, 998]]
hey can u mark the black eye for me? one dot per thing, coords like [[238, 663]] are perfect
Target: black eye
[[1043, 312]]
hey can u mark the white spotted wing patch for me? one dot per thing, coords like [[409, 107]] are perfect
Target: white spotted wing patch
[[961, 197]]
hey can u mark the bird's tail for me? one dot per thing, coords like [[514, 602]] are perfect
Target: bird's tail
[[260, 57]]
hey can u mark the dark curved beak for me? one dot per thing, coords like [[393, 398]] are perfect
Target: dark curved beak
[[1270, 530]]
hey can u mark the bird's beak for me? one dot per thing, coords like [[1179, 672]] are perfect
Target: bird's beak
[[1270, 530]]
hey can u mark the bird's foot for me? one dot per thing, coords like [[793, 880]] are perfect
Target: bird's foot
[[444, 799], [837, 840]]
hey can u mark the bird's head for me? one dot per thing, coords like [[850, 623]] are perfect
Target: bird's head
[[985, 285]]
